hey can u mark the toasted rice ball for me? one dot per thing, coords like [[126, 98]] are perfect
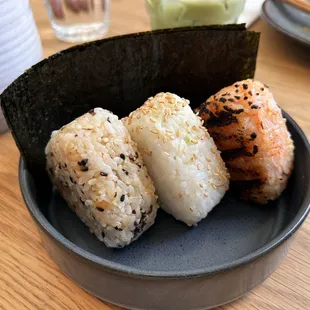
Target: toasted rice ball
[[248, 128], [97, 168]]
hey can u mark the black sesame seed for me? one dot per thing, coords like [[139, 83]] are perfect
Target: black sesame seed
[[253, 135], [133, 212], [245, 98], [257, 94], [109, 120], [76, 135], [262, 89], [231, 100], [122, 156], [223, 100], [115, 194], [126, 172], [237, 90], [99, 209], [83, 162], [103, 174], [262, 125], [237, 97], [224, 94], [59, 166], [139, 165], [254, 106], [245, 86], [250, 102], [255, 149], [84, 169], [122, 198], [236, 85], [72, 181], [250, 93]]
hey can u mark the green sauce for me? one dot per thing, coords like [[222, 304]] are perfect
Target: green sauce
[[187, 13]]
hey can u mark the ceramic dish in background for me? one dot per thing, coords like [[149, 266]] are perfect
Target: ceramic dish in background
[[20, 43], [287, 19], [171, 266]]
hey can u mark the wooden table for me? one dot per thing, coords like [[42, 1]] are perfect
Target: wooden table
[[28, 277]]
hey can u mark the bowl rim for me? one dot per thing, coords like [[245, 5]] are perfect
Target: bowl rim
[[111, 266]]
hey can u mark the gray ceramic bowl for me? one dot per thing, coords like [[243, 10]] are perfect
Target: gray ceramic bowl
[[287, 19], [171, 266]]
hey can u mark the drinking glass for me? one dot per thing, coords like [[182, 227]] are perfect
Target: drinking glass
[[189, 13], [79, 20]]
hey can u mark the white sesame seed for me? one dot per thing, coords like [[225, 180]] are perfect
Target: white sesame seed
[[213, 185]]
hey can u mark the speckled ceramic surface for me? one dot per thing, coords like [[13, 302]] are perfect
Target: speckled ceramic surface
[[232, 231], [288, 20]]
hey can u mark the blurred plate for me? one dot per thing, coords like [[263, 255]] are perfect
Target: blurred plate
[[287, 19]]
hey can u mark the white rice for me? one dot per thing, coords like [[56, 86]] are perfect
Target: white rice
[[96, 167], [189, 175]]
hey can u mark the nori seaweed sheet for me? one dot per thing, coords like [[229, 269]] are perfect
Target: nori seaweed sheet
[[119, 74]]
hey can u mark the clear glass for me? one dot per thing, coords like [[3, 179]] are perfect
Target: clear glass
[[188, 13], [79, 20]]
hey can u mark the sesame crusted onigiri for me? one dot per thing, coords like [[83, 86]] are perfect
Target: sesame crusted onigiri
[[189, 175], [96, 167]]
